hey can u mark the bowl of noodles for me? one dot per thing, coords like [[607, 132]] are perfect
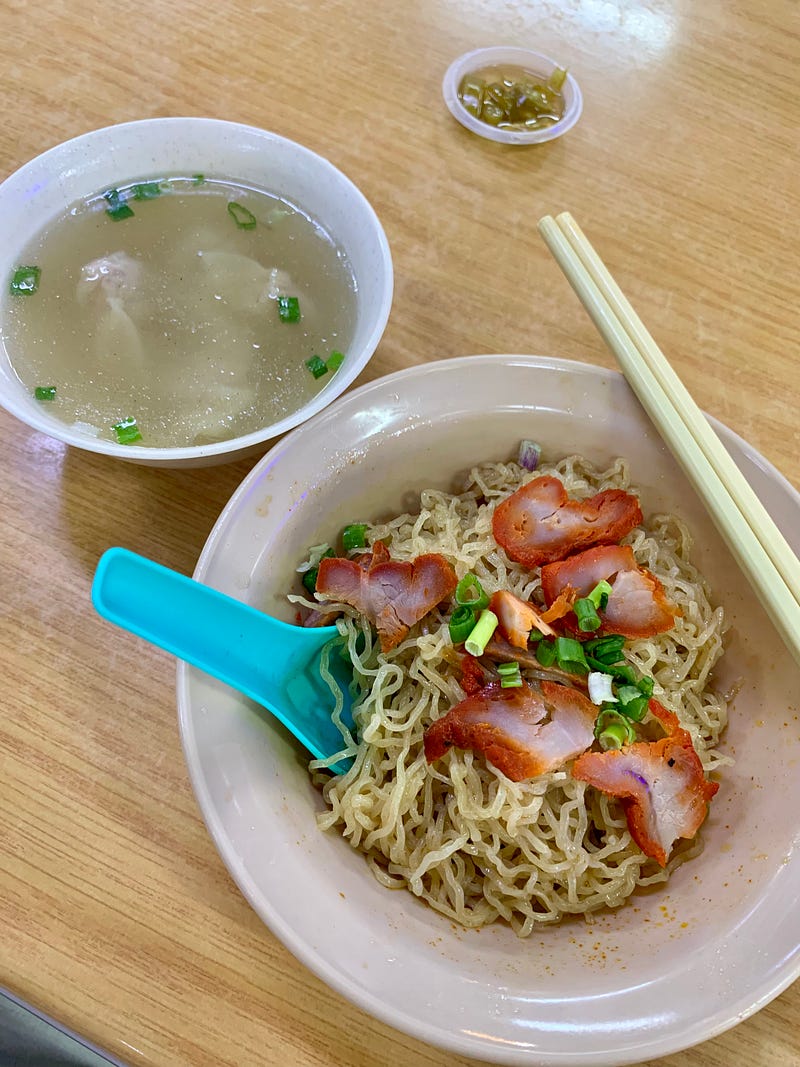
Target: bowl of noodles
[[512, 918]]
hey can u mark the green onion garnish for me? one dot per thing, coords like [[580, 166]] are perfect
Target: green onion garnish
[[335, 360], [127, 432], [586, 614], [289, 310], [25, 280], [621, 672], [507, 668], [612, 730], [309, 578], [510, 676], [45, 392], [242, 216], [317, 366], [626, 693], [482, 631], [529, 454], [645, 686], [600, 594], [601, 689], [121, 211], [632, 704], [117, 208], [570, 656], [606, 649], [353, 536], [546, 652], [470, 592], [146, 190], [198, 179], [462, 623]]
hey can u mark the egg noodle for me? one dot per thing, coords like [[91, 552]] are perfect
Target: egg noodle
[[459, 834]]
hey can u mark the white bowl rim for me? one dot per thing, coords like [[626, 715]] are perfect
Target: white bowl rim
[[344, 376], [469, 1044], [479, 57]]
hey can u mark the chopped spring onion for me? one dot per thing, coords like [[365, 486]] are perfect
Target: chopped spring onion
[[317, 366], [310, 573], [632, 703], [600, 594], [45, 392], [353, 536], [462, 623], [570, 656], [289, 310], [25, 280], [146, 190], [606, 650], [645, 686], [482, 631], [529, 455], [627, 693], [622, 672], [612, 730], [510, 677], [557, 79], [334, 360], [470, 593], [198, 179], [586, 613], [242, 216], [310, 578], [127, 432], [117, 208], [546, 652], [600, 688]]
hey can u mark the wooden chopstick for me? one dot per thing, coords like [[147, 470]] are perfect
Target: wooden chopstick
[[766, 559]]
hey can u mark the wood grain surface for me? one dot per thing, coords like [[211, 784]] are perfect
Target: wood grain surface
[[117, 916]]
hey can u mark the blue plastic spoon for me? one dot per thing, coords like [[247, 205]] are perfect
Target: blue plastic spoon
[[272, 662]]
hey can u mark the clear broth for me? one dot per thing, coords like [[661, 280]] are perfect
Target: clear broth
[[170, 317]]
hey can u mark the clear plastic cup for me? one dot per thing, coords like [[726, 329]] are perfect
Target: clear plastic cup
[[519, 57]]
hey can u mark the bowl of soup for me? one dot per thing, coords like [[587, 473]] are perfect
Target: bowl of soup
[[179, 291]]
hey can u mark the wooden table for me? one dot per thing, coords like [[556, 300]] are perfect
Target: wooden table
[[117, 916]]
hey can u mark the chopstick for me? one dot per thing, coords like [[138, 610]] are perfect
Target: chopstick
[[756, 543]]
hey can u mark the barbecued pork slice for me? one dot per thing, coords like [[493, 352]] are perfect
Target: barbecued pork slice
[[637, 604], [508, 726], [392, 594], [517, 617], [539, 523], [664, 792]]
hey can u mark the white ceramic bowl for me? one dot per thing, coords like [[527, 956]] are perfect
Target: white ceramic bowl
[[666, 971], [43, 188], [501, 55]]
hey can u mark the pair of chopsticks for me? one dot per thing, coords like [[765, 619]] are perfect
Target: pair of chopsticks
[[757, 544]]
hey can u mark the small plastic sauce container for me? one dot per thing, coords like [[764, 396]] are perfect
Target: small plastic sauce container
[[532, 62]]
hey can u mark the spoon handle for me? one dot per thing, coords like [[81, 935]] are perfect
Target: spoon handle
[[251, 651]]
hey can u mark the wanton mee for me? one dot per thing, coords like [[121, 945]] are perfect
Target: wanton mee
[[535, 727]]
